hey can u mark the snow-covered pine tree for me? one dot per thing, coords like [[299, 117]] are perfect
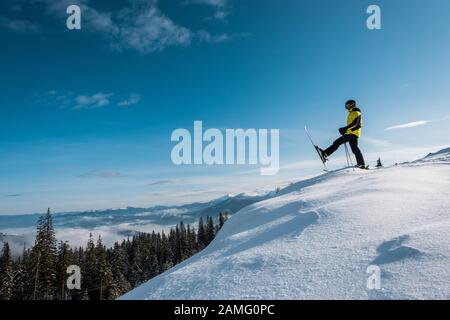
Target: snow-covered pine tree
[[76, 257], [6, 274], [44, 259], [104, 274], [201, 234], [379, 163], [165, 260], [89, 270], [136, 275], [174, 236], [61, 270], [174, 245], [20, 275], [151, 267], [216, 229], [29, 279], [210, 230], [191, 240], [221, 220], [119, 268], [183, 242]]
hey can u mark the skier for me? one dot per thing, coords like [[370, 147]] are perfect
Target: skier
[[350, 134]]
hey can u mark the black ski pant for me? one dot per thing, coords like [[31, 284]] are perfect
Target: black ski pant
[[353, 141]]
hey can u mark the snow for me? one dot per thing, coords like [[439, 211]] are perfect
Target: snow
[[440, 156], [317, 238]]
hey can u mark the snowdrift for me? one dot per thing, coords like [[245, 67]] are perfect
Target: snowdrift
[[317, 238]]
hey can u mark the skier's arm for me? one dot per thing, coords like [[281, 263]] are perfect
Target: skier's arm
[[355, 125]]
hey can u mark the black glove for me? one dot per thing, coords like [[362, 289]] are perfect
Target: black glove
[[342, 131]]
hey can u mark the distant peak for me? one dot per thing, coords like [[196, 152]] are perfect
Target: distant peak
[[440, 152]]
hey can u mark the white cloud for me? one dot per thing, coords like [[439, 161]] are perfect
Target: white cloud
[[133, 99], [67, 99], [146, 29], [220, 14], [95, 101], [214, 3], [18, 25], [62, 99], [138, 25], [101, 174], [207, 37], [162, 182], [409, 125], [100, 21], [142, 27], [220, 7]]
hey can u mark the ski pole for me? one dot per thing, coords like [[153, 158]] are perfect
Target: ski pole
[[349, 156], [351, 160], [348, 153]]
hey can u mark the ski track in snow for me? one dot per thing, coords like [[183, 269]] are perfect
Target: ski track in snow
[[316, 238]]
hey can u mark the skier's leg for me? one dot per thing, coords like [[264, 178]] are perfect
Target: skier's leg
[[353, 140], [336, 144]]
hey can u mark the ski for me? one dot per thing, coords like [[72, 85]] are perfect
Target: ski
[[356, 167], [317, 149]]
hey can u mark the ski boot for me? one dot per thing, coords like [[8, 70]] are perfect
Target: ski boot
[[322, 154]]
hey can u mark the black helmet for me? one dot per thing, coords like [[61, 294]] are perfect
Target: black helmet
[[350, 104]]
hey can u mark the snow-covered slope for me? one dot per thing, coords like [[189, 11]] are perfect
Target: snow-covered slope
[[316, 239], [440, 156]]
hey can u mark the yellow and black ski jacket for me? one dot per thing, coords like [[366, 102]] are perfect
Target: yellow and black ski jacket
[[354, 122]]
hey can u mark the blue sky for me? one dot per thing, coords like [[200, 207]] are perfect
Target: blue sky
[[87, 115]]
